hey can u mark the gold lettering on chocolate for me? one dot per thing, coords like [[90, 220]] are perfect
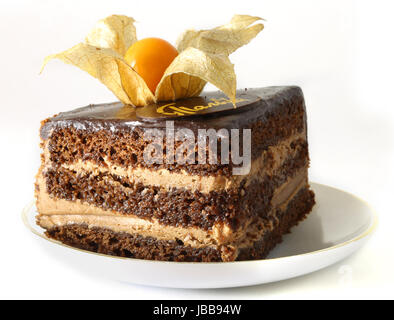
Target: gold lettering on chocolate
[[181, 109], [171, 109]]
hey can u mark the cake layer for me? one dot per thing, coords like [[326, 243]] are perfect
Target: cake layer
[[268, 163], [59, 212], [113, 132], [193, 237], [178, 207], [103, 240]]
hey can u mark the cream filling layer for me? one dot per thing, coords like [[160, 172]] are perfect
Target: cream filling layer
[[166, 179], [60, 212]]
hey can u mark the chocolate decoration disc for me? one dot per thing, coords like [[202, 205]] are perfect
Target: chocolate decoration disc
[[208, 104]]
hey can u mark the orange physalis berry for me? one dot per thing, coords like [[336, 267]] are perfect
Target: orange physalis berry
[[150, 58]]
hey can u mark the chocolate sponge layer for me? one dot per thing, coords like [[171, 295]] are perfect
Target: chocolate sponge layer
[[113, 131], [178, 207], [135, 246]]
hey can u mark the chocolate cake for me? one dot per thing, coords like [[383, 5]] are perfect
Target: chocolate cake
[[96, 191]]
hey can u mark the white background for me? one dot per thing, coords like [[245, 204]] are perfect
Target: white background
[[340, 52]]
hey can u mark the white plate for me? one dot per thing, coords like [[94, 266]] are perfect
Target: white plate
[[339, 224]]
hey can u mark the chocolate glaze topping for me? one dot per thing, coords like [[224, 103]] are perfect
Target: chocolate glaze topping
[[210, 110]]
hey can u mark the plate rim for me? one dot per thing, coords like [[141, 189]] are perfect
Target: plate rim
[[369, 231]]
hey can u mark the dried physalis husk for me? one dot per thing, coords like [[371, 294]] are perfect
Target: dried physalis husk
[[191, 70], [224, 39], [109, 67], [203, 57], [102, 56], [114, 32]]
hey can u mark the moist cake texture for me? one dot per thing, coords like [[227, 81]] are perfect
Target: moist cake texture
[[95, 191]]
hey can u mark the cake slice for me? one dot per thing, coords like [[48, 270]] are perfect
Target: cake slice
[[96, 191]]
